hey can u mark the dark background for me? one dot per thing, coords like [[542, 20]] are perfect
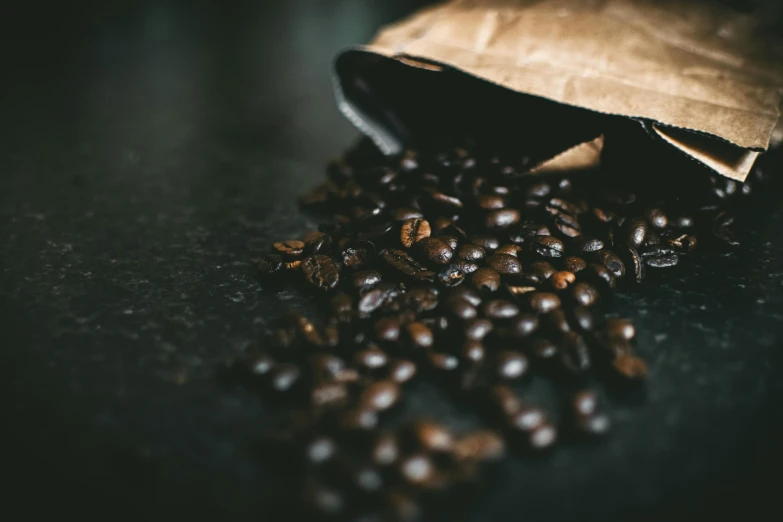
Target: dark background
[[150, 151]]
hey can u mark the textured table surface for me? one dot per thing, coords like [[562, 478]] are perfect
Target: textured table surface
[[148, 154]]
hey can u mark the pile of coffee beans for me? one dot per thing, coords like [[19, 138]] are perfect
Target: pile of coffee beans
[[456, 264]]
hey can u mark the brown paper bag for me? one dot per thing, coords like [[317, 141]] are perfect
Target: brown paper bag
[[697, 77]]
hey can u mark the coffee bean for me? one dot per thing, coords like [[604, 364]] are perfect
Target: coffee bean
[[501, 218], [582, 318], [657, 218], [480, 445], [547, 246], [635, 232], [490, 201], [505, 400], [477, 329], [366, 278], [284, 377], [523, 325], [402, 371], [499, 309], [446, 201], [371, 301], [261, 365], [402, 262], [599, 275], [467, 294], [543, 302], [630, 366], [422, 299], [584, 294], [414, 230], [385, 451], [486, 279], [504, 264], [460, 308], [486, 243], [434, 250], [542, 270], [585, 402], [574, 354], [538, 190], [450, 240], [320, 450], [663, 261], [596, 424], [387, 329], [371, 358], [561, 280], [544, 348], [406, 213], [473, 350], [432, 436], [527, 419], [420, 334], [417, 469], [451, 276], [469, 252], [329, 394], [380, 395], [364, 419], [511, 365], [443, 361], [585, 245], [557, 321], [321, 272], [619, 329], [574, 264], [611, 261], [517, 290], [290, 248], [543, 437], [636, 262]]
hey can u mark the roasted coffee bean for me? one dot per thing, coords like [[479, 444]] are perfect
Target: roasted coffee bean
[[599, 275], [269, 265], [585, 402], [414, 230], [547, 246], [523, 325], [630, 366], [432, 436], [635, 232], [466, 267], [585, 245], [684, 243], [499, 309], [527, 419], [468, 294], [510, 249], [662, 261], [561, 280], [504, 264], [417, 469], [490, 201], [451, 276], [619, 329], [581, 317], [518, 290], [557, 321], [505, 400], [355, 258], [362, 418], [469, 252], [329, 394], [320, 450], [261, 365], [385, 450], [657, 218], [477, 329], [473, 350], [317, 242], [538, 190], [401, 261], [596, 424], [486, 243], [543, 302], [543, 348], [373, 227], [460, 308], [486, 279], [371, 358], [291, 248], [574, 264], [611, 261], [683, 221], [443, 361], [480, 445], [451, 241], [584, 294], [420, 335], [380, 395], [285, 376], [542, 270], [321, 271], [446, 201], [366, 278], [402, 370], [387, 329], [422, 299], [511, 365], [636, 263], [406, 213], [574, 354], [434, 250], [501, 218]]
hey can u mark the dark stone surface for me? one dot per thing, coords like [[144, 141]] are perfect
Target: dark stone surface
[[149, 152]]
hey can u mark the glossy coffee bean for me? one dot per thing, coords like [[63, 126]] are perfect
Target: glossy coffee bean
[[329, 394], [527, 419], [585, 245], [361, 419], [657, 218], [460, 308], [561, 280], [380, 395], [473, 350], [290, 248], [320, 450], [482, 445], [385, 450], [574, 354], [499, 309], [470, 252], [542, 269], [584, 294], [511, 365], [635, 232], [543, 437], [420, 334], [611, 261], [630, 367], [574, 264], [556, 321], [501, 218], [478, 329], [585, 402], [487, 243], [619, 329], [432, 436], [387, 329], [434, 250], [443, 361], [505, 400], [414, 230], [417, 469], [523, 325], [544, 348], [504, 264], [321, 271], [490, 201], [547, 246], [486, 279], [581, 318], [284, 377], [366, 278], [371, 358], [451, 276], [543, 302]]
